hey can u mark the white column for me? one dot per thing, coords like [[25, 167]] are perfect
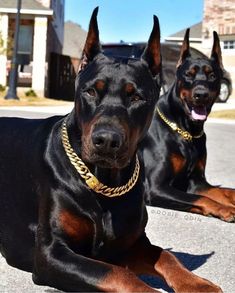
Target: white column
[[39, 55], [3, 48]]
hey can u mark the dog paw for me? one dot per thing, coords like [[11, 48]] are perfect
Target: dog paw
[[230, 196], [223, 212], [227, 214], [202, 285]]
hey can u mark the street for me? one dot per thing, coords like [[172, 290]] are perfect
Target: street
[[205, 245]]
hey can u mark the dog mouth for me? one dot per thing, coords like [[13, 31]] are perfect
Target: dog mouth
[[196, 112], [197, 102], [109, 163], [199, 113], [106, 160]]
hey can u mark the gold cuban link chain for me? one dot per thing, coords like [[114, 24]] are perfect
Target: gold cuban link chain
[[184, 133], [90, 179]]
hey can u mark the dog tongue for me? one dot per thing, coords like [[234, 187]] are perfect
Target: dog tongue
[[199, 113]]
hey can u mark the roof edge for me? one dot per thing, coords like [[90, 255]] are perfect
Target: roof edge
[[181, 39], [47, 12]]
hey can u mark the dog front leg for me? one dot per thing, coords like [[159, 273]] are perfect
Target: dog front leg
[[213, 200], [199, 185], [179, 278], [59, 267], [171, 198], [145, 258], [224, 196]]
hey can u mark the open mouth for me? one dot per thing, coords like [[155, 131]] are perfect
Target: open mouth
[[199, 113], [195, 112]]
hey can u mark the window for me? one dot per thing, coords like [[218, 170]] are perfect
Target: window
[[25, 39], [25, 44], [229, 45]]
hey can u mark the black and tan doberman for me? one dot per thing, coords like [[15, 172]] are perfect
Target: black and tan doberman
[[175, 148], [72, 205]]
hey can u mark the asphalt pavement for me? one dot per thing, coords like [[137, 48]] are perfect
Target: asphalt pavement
[[205, 245]]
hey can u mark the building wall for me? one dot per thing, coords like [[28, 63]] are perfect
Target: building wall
[[55, 33], [53, 43], [45, 3], [39, 55], [57, 22], [58, 18], [219, 15], [3, 48]]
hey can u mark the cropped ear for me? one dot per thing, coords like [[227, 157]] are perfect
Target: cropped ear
[[152, 52], [216, 50], [92, 45], [184, 52]]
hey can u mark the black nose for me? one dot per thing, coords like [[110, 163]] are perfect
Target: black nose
[[201, 97], [107, 140]]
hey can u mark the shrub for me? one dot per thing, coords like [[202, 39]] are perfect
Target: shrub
[[2, 88], [31, 93]]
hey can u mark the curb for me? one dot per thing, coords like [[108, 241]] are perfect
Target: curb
[[221, 121], [40, 109], [65, 109]]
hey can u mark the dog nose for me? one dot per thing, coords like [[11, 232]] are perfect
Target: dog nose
[[201, 97], [107, 140]]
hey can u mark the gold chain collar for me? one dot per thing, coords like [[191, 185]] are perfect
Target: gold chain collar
[[184, 133], [92, 182]]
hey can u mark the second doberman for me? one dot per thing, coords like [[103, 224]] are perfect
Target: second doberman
[[175, 150]]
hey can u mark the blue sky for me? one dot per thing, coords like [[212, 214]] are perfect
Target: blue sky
[[131, 20]]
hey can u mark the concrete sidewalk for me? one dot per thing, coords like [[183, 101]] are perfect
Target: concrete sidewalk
[[63, 109], [225, 106], [55, 110]]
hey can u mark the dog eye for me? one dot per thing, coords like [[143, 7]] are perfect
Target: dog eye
[[211, 76], [135, 98], [189, 74], [91, 92]]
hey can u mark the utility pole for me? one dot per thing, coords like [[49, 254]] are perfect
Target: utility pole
[[13, 77]]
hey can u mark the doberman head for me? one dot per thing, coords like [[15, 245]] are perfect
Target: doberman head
[[115, 99], [198, 80]]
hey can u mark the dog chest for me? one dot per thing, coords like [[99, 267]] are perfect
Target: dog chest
[[122, 226], [113, 226]]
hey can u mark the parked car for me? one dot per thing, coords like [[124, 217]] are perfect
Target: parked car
[[170, 55]]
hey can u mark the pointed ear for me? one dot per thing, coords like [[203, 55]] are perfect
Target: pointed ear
[[216, 50], [92, 45], [184, 52], [152, 52]]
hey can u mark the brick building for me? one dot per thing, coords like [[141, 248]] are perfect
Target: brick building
[[219, 15]]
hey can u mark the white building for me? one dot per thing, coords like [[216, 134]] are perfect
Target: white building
[[41, 32]]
